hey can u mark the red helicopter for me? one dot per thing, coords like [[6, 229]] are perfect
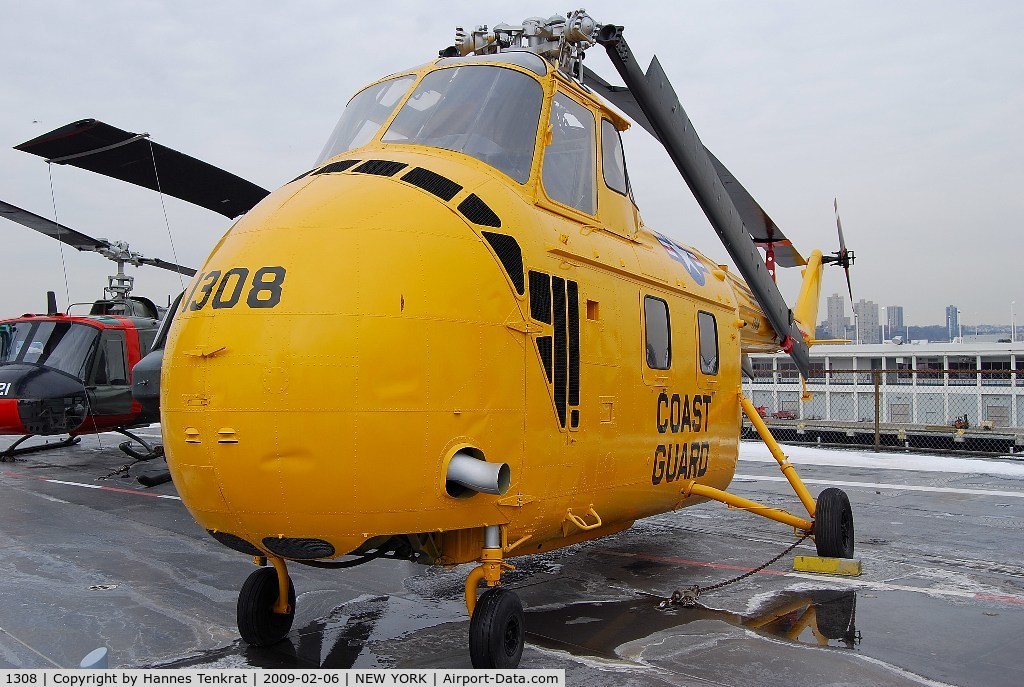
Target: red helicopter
[[65, 374], [71, 374]]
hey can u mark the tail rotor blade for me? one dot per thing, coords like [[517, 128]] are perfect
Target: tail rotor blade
[[844, 254]]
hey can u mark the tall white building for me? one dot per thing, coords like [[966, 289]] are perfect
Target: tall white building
[[868, 331], [836, 321]]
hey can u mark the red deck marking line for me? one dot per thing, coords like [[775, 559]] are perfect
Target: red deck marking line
[[997, 597], [702, 564], [136, 492]]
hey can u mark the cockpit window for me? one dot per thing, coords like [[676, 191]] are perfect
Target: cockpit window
[[6, 338], [569, 169], [522, 58], [364, 115], [64, 346], [490, 113], [612, 160]]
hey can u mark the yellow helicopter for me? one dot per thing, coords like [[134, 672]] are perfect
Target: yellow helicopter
[[463, 291]]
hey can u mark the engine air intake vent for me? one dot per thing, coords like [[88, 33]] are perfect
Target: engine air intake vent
[[382, 168], [561, 374], [432, 182], [544, 349], [478, 212], [511, 257], [299, 548], [540, 297], [573, 326], [339, 166], [236, 543]]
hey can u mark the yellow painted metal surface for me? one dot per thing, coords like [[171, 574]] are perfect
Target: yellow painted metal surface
[[742, 503], [374, 332], [827, 566]]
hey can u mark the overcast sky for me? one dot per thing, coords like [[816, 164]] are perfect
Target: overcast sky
[[910, 112]]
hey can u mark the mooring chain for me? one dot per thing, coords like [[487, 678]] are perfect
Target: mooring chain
[[688, 597]]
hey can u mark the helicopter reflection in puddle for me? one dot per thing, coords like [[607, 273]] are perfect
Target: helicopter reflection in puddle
[[821, 617]]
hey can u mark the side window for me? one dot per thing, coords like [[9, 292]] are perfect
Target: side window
[[708, 332], [146, 337], [6, 336], [111, 366], [612, 160], [658, 336], [569, 164]]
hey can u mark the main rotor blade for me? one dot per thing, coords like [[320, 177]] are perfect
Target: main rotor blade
[[107, 150], [164, 265], [620, 97], [77, 239], [757, 222], [60, 232], [655, 96]]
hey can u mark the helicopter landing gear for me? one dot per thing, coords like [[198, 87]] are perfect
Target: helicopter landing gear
[[12, 452], [497, 630], [156, 451], [497, 625], [833, 524], [265, 612]]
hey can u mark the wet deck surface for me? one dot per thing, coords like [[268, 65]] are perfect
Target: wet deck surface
[[90, 562]]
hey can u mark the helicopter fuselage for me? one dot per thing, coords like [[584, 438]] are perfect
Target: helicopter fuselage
[[418, 296], [63, 374]]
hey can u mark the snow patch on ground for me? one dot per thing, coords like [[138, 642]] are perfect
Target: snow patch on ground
[[756, 452]]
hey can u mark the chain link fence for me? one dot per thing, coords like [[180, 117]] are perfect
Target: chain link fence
[[959, 409]]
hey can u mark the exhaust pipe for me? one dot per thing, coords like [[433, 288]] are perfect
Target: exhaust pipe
[[478, 475]]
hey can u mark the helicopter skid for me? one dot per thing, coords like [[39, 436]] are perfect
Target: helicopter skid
[[12, 452]]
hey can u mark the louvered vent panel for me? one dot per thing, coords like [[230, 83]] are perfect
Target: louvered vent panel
[[432, 182], [478, 212], [339, 166], [511, 257], [381, 168], [540, 297]]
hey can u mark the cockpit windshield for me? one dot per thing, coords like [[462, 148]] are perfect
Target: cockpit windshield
[[63, 346], [364, 115], [488, 112]]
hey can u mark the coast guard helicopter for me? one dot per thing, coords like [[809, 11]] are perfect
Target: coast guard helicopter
[[462, 290]]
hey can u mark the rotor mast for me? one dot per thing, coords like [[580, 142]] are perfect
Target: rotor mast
[[560, 40]]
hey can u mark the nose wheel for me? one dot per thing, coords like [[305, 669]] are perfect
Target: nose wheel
[[497, 630], [262, 619]]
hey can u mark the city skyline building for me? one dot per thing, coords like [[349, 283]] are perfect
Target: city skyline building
[[894, 317], [893, 322], [952, 321], [836, 321], [868, 330]]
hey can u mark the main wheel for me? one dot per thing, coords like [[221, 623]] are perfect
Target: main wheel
[[497, 630], [257, 622], [835, 614], [833, 524]]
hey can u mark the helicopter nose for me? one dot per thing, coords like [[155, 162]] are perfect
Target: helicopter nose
[[38, 400], [10, 420]]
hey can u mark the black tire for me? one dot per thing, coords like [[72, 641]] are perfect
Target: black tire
[[257, 622], [833, 524], [497, 630], [836, 614]]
